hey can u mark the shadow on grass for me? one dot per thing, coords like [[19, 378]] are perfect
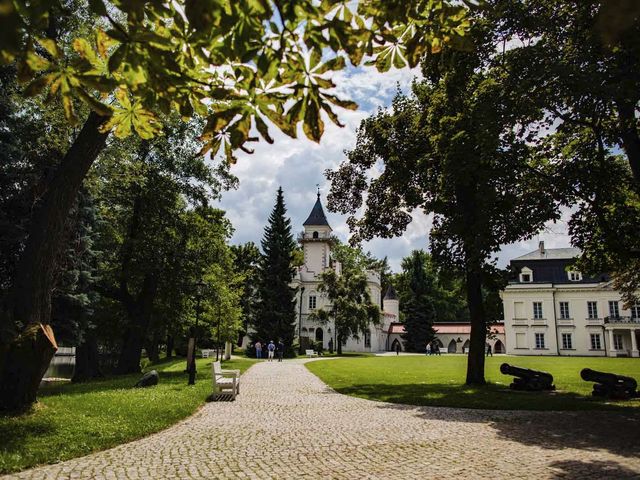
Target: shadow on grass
[[491, 397], [575, 469], [15, 434]]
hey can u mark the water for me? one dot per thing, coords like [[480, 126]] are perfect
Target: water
[[62, 364]]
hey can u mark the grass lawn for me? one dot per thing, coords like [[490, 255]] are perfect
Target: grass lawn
[[74, 420], [439, 381]]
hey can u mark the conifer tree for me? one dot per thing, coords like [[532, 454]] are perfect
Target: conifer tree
[[276, 316], [419, 307]]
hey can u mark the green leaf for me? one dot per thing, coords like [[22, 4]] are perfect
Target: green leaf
[[262, 128], [313, 126], [117, 57], [98, 7]]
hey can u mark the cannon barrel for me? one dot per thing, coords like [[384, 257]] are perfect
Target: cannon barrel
[[526, 373], [610, 379]]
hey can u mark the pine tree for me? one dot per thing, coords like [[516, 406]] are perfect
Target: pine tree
[[276, 316], [419, 308]]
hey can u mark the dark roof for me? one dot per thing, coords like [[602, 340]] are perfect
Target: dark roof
[[391, 294], [317, 217], [553, 270]]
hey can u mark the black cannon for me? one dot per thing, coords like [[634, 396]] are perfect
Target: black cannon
[[610, 385], [527, 379]]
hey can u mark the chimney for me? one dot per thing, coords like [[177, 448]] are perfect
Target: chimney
[[541, 248]]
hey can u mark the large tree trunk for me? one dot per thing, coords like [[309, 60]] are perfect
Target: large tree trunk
[[139, 315], [24, 363], [170, 344], [339, 346], [152, 347], [475, 360], [29, 303], [87, 360]]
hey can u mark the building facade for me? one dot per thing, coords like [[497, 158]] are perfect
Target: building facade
[[550, 308], [316, 241]]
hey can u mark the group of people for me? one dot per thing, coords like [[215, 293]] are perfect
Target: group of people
[[271, 348], [433, 348]]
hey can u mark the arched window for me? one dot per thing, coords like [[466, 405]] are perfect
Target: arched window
[[319, 335], [315, 234], [452, 347]]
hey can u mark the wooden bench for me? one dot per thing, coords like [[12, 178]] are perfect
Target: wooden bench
[[207, 352], [225, 380], [310, 353]]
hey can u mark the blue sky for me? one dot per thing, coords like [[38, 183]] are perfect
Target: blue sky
[[298, 165]]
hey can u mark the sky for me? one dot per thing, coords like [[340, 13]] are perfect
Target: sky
[[298, 165]]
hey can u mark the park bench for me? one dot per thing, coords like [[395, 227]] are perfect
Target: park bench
[[225, 380], [207, 352], [310, 353]]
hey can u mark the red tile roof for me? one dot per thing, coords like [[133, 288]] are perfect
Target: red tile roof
[[448, 328]]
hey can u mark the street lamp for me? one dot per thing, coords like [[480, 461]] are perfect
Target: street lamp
[[300, 321], [193, 332]]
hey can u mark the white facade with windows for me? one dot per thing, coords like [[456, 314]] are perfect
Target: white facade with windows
[[316, 241], [554, 314]]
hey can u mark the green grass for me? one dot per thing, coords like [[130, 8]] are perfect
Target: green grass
[[439, 381], [74, 420]]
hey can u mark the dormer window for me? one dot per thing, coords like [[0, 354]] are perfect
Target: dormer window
[[526, 275], [575, 276]]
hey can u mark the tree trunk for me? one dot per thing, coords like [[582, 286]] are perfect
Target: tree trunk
[[139, 313], [30, 295], [339, 346], [24, 363], [87, 364], [170, 343], [152, 348], [475, 360]]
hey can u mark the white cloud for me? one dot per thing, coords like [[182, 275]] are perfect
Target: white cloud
[[299, 164]]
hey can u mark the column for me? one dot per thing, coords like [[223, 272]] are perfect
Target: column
[[634, 344], [612, 348]]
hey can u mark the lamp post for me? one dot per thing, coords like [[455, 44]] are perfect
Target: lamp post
[[300, 321], [193, 332]]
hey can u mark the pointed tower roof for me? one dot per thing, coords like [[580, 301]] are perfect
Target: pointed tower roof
[[391, 294], [317, 216]]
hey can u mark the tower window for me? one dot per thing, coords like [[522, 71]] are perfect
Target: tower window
[[315, 234], [312, 302]]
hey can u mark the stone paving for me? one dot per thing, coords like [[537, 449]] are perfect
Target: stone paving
[[286, 424]]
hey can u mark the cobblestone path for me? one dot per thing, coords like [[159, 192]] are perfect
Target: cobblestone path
[[287, 424]]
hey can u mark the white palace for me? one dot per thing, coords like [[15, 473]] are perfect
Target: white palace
[[552, 309], [316, 240]]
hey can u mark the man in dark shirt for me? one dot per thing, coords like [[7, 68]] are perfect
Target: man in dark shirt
[[280, 350]]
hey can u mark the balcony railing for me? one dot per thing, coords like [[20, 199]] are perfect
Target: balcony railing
[[621, 320], [309, 237]]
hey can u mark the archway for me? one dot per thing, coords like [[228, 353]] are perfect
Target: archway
[[439, 343], [465, 347], [452, 347], [395, 344], [319, 335], [498, 347]]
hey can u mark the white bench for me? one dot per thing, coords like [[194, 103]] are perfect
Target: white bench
[[207, 352], [225, 380], [310, 353]]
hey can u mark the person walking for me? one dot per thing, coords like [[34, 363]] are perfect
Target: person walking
[[428, 348], [489, 352], [398, 348], [258, 346], [280, 350], [271, 348]]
